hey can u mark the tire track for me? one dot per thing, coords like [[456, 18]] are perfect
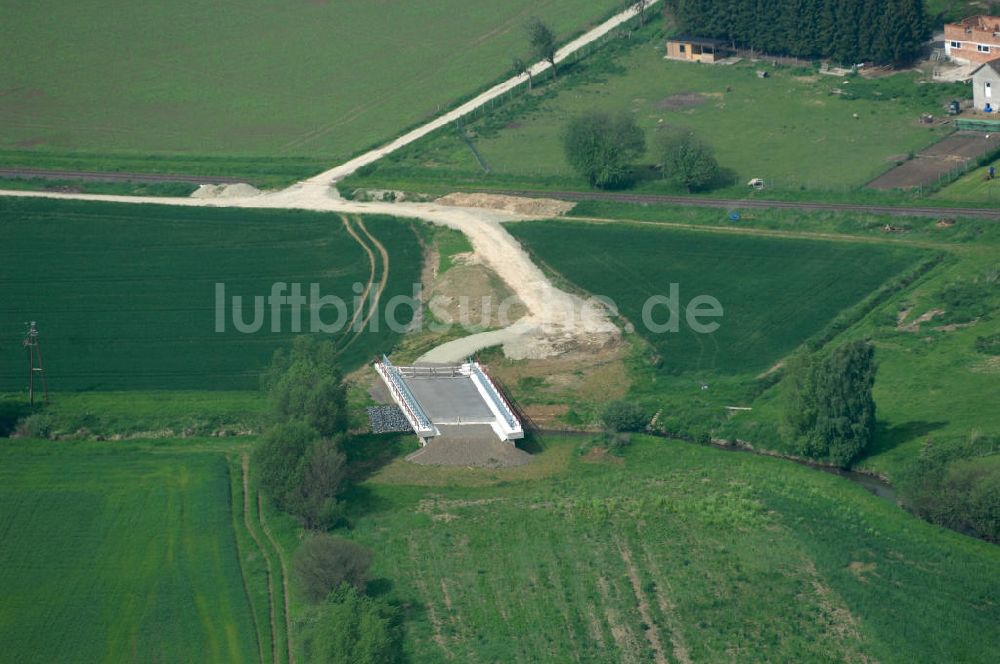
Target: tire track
[[267, 558], [370, 301], [284, 576], [359, 311]]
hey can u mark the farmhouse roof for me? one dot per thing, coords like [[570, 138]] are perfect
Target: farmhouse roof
[[992, 64], [701, 41]]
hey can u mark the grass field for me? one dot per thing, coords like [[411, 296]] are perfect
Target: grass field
[[125, 295], [703, 554], [775, 293], [112, 553], [796, 129], [973, 187], [247, 79]]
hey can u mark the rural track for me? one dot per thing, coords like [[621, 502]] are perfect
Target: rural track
[[371, 272], [245, 459], [92, 176], [284, 576], [733, 204]]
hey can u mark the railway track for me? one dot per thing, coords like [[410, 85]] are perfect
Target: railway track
[[734, 204]]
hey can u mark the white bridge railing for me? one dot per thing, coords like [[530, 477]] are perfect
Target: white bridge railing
[[401, 394], [507, 426]]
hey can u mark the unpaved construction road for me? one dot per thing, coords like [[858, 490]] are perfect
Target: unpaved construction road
[[556, 320]]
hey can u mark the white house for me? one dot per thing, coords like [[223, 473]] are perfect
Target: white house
[[986, 86]]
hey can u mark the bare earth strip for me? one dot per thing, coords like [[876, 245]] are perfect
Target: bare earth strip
[[652, 633], [669, 611]]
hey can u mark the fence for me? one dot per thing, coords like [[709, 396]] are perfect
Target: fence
[[968, 124]]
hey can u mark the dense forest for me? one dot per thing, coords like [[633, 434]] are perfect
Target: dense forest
[[847, 31]]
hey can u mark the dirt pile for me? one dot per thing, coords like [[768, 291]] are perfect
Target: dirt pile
[[239, 190], [531, 207]]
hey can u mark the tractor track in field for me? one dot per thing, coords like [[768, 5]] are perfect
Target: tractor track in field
[[735, 203], [369, 300], [284, 576], [359, 311], [245, 458]]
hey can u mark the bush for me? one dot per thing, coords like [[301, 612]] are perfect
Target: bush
[[988, 345], [957, 485], [352, 629], [38, 425], [624, 416], [325, 562]]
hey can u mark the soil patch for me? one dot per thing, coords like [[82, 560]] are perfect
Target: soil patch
[[681, 100], [532, 207]]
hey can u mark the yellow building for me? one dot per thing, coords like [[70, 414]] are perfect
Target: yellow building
[[695, 49]]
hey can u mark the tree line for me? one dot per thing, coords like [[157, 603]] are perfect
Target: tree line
[[847, 31], [300, 465]]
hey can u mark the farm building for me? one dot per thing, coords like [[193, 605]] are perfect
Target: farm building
[[974, 40], [986, 86], [696, 49]]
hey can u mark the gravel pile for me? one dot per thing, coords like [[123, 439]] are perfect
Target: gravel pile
[[386, 419], [475, 446]]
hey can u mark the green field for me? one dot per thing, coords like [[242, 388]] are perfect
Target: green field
[[247, 79], [796, 128], [124, 295], [723, 556], [775, 293], [973, 187], [113, 554]]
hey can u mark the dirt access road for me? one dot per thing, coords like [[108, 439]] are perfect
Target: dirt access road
[[556, 320]]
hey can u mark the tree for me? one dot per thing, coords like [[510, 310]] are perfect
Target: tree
[[350, 628], [324, 562], [621, 416], [543, 43], [600, 147], [306, 385], [321, 480], [522, 68], [278, 461], [640, 7], [829, 409], [687, 160]]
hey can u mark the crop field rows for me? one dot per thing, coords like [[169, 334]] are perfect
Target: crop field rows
[[775, 292], [125, 296], [655, 558], [248, 79]]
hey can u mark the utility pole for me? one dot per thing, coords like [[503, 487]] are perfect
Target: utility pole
[[34, 363]]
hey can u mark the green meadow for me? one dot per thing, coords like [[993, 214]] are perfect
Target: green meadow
[[125, 295], [798, 130], [113, 553], [140, 86], [670, 548]]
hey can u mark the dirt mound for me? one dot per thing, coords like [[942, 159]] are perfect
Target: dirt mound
[[239, 190], [474, 297], [681, 100], [533, 207], [470, 446]]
